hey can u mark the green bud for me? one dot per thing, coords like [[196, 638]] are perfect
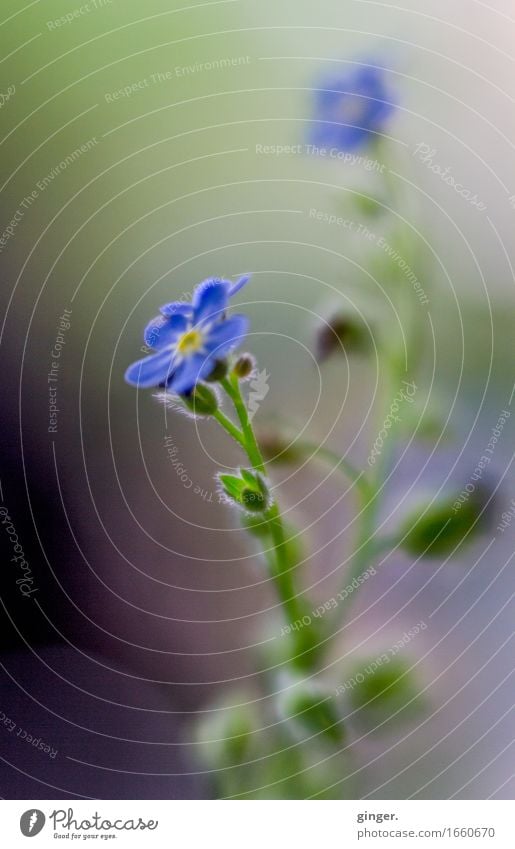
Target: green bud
[[226, 735], [380, 688], [248, 490], [342, 333], [219, 371], [309, 709], [244, 366], [253, 500], [202, 401], [437, 528]]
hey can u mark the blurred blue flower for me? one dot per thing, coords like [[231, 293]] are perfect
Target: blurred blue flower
[[190, 338], [351, 109]]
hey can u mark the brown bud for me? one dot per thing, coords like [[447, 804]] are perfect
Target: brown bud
[[244, 366], [342, 333]]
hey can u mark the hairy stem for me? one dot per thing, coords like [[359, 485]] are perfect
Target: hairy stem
[[280, 566], [228, 426], [232, 387]]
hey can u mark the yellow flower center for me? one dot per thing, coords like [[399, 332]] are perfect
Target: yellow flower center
[[190, 342]]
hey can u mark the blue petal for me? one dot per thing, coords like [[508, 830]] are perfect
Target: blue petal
[[191, 370], [151, 371], [176, 308], [227, 335], [366, 90], [210, 299], [163, 331], [239, 284]]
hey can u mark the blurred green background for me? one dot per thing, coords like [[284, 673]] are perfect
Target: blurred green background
[[174, 188]]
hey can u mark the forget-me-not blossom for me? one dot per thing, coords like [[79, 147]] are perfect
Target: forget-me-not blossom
[[190, 339], [351, 109]]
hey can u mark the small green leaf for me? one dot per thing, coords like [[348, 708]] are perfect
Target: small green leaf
[[232, 485], [249, 478], [436, 528]]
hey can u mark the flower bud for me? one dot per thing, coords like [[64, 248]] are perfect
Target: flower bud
[[244, 366], [201, 401], [253, 500], [382, 690], [248, 490], [309, 709], [437, 527], [342, 333], [226, 735], [218, 372]]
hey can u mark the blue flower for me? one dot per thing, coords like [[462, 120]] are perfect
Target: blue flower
[[351, 109], [189, 339]]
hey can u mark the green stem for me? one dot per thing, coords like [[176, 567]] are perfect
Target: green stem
[[228, 426], [356, 477], [410, 250], [368, 504], [232, 387], [280, 565], [367, 547]]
